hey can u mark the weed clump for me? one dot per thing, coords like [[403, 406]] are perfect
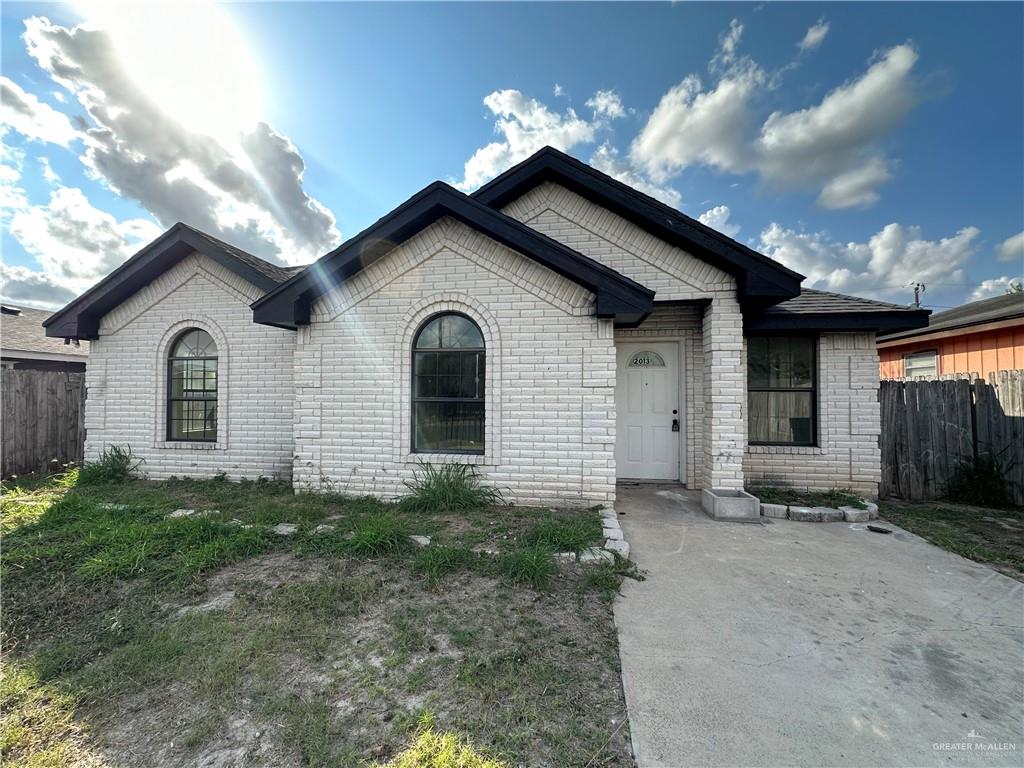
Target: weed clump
[[448, 488]]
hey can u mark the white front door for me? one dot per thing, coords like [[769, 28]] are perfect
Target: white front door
[[647, 403]]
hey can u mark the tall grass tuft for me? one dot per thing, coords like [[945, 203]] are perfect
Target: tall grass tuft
[[115, 465], [379, 534], [565, 534], [448, 488], [981, 483], [529, 565]]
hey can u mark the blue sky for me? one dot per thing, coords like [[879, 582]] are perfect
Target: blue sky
[[868, 146]]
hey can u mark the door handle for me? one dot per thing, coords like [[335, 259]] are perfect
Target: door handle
[[675, 425]]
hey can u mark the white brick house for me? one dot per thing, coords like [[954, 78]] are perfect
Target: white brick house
[[556, 329]]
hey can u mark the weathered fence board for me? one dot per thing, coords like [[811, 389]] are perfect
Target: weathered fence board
[[930, 427], [43, 420]]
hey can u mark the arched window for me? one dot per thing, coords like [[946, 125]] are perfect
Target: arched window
[[192, 387], [448, 386]]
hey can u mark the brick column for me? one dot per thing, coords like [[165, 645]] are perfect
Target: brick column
[[725, 394]]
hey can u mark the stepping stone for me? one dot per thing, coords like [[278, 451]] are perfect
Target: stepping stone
[[284, 529], [323, 528], [565, 557], [621, 548], [612, 533], [595, 555], [872, 510], [182, 513], [421, 541], [854, 515], [110, 505], [776, 511]]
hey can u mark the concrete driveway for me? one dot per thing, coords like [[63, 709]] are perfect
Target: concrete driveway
[[813, 644]]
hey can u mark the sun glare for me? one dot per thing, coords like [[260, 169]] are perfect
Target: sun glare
[[190, 57]]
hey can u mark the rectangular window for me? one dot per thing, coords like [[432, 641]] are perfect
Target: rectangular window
[[192, 411], [781, 390], [448, 401], [918, 364]]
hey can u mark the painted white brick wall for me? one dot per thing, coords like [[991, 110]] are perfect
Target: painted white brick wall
[[847, 454], [127, 377], [550, 413]]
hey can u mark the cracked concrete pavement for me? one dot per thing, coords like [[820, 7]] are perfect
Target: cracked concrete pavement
[[812, 644]]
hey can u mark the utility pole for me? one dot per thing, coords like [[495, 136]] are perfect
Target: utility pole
[[919, 288]]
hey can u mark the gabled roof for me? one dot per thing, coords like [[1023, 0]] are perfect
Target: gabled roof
[[815, 310], [760, 280], [996, 309], [21, 330], [80, 319], [288, 306]]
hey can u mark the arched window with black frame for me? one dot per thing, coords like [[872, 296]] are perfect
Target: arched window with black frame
[[192, 387], [448, 362]]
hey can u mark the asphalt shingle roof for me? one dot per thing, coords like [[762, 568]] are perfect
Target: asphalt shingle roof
[[997, 308], [21, 329], [273, 271], [811, 301]]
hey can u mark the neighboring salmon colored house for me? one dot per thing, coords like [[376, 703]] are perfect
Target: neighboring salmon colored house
[[981, 337]]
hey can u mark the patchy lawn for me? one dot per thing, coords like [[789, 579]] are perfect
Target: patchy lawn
[[806, 497], [131, 638], [991, 536]]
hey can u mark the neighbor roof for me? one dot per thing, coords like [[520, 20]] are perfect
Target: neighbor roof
[[1006, 307], [80, 319], [826, 311], [21, 330], [760, 280], [288, 306]]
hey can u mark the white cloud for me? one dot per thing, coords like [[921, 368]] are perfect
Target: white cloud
[[1011, 248], [895, 257], [837, 136], [607, 104], [856, 188], [170, 145], [558, 90], [691, 126], [831, 146], [815, 36], [27, 287], [31, 117], [76, 243], [525, 125], [606, 159], [996, 287], [718, 218]]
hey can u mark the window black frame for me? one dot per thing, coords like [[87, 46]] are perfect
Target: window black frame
[[171, 399], [813, 390], [414, 399]]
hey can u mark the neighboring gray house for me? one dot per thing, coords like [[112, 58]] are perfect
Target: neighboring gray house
[[557, 329], [24, 343]]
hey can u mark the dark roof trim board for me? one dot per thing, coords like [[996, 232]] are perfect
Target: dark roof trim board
[[816, 310], [761, 281], [81, 318], [288, 306]]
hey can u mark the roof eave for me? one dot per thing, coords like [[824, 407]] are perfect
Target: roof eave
[[837, 321], [289, 304], [761, 281], [80, 318]]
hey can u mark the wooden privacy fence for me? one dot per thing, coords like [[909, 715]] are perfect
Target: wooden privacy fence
[[43, 420], [932, 427]]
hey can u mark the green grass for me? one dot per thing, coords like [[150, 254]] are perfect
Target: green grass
[[993, 536], [116, 464], [808, 497], [564, 533], [100, 626], [533, 565], [449, 488]]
